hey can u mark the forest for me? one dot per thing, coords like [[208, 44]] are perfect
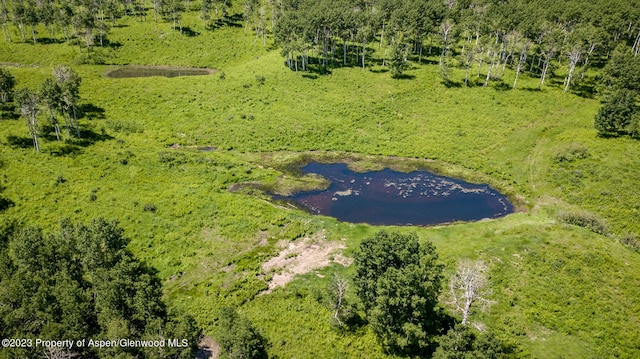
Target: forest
[[147, 207]]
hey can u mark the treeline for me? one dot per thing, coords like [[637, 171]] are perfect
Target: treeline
[[526, 35], [82, 283], [87, 22]]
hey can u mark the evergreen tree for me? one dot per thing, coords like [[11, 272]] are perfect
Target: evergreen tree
[[618, 115], [238, 338]]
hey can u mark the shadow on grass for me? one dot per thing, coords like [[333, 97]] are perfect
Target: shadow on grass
[[234, 20], [405, 77], [91, 112], [585, 88], [5, 204], [111, 44], [189, 32], [65, 149], [379, 70], [452, 84], [89, 137], [19, 142], [74, 145], [502, 86], [8, 111], [49, 40], [529, 89]]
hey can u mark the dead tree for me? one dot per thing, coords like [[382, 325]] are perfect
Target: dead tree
[[468, 286], [574, 56], [337, 292]]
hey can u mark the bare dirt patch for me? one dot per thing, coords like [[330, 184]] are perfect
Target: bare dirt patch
[[303, 256]]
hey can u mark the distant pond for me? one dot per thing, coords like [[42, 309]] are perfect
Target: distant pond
[[148, 71], [389, 197]]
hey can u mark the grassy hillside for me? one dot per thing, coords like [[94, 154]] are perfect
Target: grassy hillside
[[560, 290]]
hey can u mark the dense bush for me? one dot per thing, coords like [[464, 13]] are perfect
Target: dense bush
[[127, 127], [570, 153], [631, 241], [462, 342], [586, 220]]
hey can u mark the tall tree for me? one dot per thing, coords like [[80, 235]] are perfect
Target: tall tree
[[398, 280], [28, 102], [446, 30], [521, 58], [574, 56], [398, 60], [69, 82], [51, 95]]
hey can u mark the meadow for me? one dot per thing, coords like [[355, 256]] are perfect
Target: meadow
[[160, 154]]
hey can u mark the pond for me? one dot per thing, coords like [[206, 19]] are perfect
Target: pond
[[145, 71], [389, 197]]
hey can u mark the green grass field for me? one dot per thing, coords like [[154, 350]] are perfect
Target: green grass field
[[559, 290]]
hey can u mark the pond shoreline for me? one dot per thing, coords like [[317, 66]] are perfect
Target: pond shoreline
[[132, 71], [388, 197]]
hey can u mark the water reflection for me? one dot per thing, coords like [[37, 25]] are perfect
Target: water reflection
[[393, 198]]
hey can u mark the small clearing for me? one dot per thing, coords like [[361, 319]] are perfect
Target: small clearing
[[303, 256]]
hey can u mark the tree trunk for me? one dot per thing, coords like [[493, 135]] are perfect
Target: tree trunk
[[364, 49], [7, 33], [545, 67], [486, 81], [381, 36], [344, 52]]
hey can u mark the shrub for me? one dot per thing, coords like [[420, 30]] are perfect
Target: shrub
[[149, 207], [124, 126], [631, 241], [584, 219], [570, 153], [172, 159]]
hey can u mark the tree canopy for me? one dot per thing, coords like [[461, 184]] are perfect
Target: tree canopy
[[398, 280], [81, 282]]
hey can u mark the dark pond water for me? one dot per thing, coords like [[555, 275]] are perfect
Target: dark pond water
[[394, 198], [137, 71]]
